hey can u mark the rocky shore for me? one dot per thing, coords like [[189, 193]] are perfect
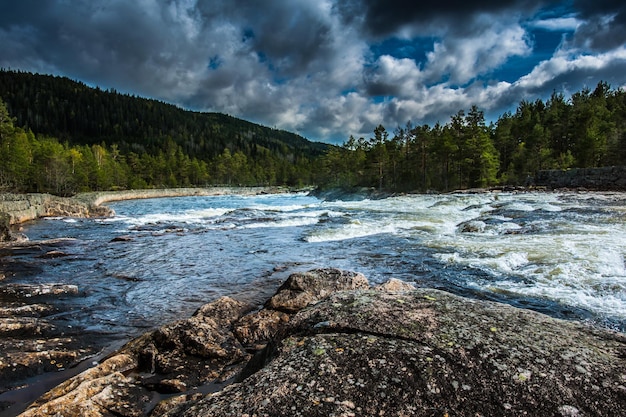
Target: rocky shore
[[328, 344], [33, 341]]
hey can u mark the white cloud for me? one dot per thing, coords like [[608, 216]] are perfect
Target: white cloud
[[572, 66], [558, 24], [463, 59]]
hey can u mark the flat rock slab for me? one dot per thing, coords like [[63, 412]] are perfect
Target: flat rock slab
[[36, 290]]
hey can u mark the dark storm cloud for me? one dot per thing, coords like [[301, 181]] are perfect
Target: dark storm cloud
[[326, 68], [604, 24], [386, 17], [108, 42]]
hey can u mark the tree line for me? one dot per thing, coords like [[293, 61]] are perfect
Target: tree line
[[588, 130], [39, 163], [62, 137]]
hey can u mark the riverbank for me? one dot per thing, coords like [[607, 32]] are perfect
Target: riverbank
[[36, 347], [20, 208], [102, 197]]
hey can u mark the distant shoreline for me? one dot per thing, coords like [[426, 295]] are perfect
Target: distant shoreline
[[99, 198], [16, 209]]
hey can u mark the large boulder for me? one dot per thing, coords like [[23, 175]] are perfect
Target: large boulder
[[425, 353], [327, 345], [302, 289]]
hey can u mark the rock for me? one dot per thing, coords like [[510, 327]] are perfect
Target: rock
[[256, 329], [174, 358], [100, 391], [396, 285], [122, 239], [53, 254], [302, 289], [35, 290], [5, 227], [15, 326], [171, 403], [424, 353], [202, 348], [26, 357], [393, 350], [472, 226], [28, 310]]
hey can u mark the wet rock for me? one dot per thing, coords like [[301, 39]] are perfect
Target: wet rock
[[472, 226], [302, 289], [122, 239], [35, 290], [53, 254], [16, 326], [28, 310], [26, 357]]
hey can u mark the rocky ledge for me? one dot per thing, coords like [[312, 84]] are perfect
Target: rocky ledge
[[327, 344]]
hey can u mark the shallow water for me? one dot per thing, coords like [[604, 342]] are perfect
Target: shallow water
[[558, 253]]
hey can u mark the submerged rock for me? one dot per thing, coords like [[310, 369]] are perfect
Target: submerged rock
[[335, 347]]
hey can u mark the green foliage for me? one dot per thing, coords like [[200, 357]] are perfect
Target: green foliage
[[587, 131], [89, 139], [60, 136]]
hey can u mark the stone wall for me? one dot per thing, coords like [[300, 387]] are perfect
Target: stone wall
[[605, 178]]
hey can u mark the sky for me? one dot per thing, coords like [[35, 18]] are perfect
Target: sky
[[325, 69]]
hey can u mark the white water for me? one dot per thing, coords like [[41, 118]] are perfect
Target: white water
[[559, 253]]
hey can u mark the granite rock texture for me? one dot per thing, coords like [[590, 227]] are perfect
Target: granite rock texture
[[351, 350]]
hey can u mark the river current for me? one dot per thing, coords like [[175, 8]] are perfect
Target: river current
[[562, 254]]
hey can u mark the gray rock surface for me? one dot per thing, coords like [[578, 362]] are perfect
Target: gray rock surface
[[603, 178], [302, 289], [355, 351]]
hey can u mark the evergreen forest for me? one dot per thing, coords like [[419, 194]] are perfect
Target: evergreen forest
[[62, 136], [585, 131]]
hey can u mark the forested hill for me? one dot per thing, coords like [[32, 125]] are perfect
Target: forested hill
[[74, 112], [61, 136]]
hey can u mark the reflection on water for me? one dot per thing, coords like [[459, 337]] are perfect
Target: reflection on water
[[559, 253]]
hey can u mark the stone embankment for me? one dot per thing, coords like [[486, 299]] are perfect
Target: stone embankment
[[20, 208], [327, 344], [601, 179]]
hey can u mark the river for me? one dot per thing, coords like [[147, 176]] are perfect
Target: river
[[558, 253]]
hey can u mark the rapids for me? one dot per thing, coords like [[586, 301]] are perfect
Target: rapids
[[559, 253]]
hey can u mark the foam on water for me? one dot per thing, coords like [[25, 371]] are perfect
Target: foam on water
[[559, 249]]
